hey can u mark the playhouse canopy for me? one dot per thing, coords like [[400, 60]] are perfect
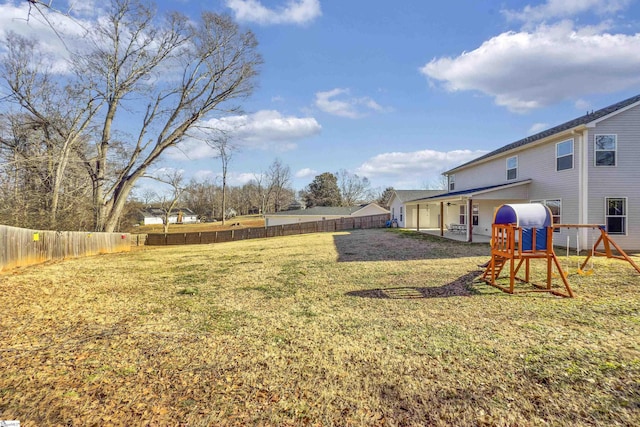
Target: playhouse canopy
[[525, 215]]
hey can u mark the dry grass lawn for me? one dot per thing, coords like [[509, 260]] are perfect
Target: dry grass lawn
[[247, 221], [369, 327]]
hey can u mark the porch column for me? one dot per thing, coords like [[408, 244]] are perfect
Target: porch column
[[418, 218], [470, 221], [441, 219]]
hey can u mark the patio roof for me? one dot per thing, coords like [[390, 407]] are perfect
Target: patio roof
[[471, 192]]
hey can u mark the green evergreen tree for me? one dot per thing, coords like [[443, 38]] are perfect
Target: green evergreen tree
[[323, 191]]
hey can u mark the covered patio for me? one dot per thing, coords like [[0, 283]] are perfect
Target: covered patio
[[460, 237], [464, 215]]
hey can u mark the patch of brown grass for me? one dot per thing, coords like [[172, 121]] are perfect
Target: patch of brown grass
[[250, 221], [367, 327]]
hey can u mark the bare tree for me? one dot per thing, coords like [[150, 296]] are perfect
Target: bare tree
[[279, 181], [353, 189], [209, 64], [47, 117], [439, 183], [168, 201], [202, 198], [224, 151]]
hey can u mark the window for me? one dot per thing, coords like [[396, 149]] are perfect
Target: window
[[512, 167], [463, 214], [605, 150], [452, 182], [555, 206], [564, 155], [400, 213], [475, 214], [616, 215]]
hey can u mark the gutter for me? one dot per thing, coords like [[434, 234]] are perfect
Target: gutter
[[523, 147]]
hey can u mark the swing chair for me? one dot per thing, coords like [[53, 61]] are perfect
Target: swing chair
[[581, 271], [569, 264]]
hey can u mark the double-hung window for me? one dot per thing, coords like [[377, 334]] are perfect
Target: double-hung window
[[512, 168], [452, 182], [463, 214], [564, 155], [475, 214], [605, 149], [616, 215]]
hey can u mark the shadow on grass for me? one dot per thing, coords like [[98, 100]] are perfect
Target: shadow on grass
[[461, 287]]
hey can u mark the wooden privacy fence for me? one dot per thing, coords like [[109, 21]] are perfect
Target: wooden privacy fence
[[374, 221], [21, 247]]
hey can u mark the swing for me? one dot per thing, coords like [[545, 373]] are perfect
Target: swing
[[589, 271]]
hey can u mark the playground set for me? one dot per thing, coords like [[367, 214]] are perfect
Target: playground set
[[524, 232]]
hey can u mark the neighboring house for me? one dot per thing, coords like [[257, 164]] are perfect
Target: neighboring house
[[587, 171], [320, 213], [154, 216], [413, 215]]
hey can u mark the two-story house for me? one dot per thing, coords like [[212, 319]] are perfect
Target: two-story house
[[587, 171]]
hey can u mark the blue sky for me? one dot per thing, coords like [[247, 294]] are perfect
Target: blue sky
[[401, 91]]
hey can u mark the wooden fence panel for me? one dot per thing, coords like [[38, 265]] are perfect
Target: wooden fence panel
[[224, 236], [22, 247], [375, 221]]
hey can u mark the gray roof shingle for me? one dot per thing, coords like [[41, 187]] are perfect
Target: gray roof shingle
[[583, 120], [408, 195]]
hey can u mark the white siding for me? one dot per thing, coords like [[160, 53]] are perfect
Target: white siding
[[537, 163], [622, 180]]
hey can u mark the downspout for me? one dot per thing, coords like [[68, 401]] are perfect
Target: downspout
[[583, 185], [441, 219], [418, 218]]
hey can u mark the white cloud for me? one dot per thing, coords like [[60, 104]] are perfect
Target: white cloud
[[349, 107], [537, 127], [36, 22], [526, 70], [294, 12], [414, 167], [266, 129], [583, 105], [306, 173], [565, 8], [233, 178], [270, 126]]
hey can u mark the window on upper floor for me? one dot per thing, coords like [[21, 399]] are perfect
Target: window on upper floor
[[452, 182], [512, 168], [605, 149], [564, 155], [616, 215]]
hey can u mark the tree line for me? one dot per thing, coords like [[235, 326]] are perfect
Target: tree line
[[267, 192], [79, 128]]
